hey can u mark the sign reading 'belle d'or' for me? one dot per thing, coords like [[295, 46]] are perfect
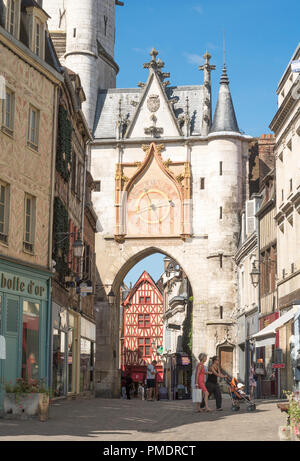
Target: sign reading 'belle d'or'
[[14, 283]]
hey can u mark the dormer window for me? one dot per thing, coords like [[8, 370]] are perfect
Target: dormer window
[[38, 38], [12, 17], [37, 19]]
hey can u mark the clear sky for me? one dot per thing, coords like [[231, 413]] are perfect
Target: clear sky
[[261, 36]]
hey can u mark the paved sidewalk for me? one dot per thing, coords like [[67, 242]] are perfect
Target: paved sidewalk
[[136, 420]]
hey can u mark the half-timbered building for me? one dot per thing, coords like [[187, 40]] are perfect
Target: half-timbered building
[[143, 329]]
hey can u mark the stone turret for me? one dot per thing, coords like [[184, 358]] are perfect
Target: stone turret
[[83, 33], [224, 119]]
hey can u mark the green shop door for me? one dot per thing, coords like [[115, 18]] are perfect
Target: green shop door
[[10, 326]]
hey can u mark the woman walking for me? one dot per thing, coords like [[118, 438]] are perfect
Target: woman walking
[[200, 381], [252, 380], [212, 382]]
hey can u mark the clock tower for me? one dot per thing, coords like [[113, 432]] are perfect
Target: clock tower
[[172, 181]]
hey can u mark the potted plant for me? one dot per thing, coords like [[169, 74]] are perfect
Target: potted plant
[[26, 399], [292, 430]]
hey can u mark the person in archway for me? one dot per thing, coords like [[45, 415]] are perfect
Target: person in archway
[[212, 382], [151, 375]]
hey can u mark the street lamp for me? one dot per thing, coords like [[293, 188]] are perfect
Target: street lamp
[[78, 248], [111, 297], [255, 274]]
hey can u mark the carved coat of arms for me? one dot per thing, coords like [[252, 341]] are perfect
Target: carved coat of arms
[[153, 102]]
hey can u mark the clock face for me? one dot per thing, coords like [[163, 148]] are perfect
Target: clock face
[[153, 206], [153, 209]]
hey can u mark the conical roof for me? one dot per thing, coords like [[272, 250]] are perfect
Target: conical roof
[[224, 118]]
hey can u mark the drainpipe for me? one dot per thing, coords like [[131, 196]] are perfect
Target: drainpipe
[[50, 241]]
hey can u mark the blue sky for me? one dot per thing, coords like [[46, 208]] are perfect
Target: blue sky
[[261, 37]]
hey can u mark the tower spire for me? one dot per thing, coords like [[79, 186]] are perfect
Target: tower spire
[[225, 118]]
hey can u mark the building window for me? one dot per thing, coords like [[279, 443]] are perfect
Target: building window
[[144, 347], [282, 195], [105, 25], [144, 320], [79, 181], [37, 40], [33, 128], [74, 172], [221, 168], [97, 186], [142, 300], [87, 262], [221, 212], [29, 223], [12, 15], [8, 110], [147, 300], [291, 185], [74, 33], [221, 312], [202, 183], [4, 212]]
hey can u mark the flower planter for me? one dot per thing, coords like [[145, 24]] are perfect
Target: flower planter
[[285, 433], [24, 406]]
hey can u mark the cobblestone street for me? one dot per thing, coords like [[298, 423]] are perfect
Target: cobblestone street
[[136, 420]]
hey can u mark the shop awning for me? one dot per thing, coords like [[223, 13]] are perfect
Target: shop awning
[[267, 335]]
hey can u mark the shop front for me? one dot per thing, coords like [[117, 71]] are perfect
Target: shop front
[[87, 355], [65, 351], [24, 320]]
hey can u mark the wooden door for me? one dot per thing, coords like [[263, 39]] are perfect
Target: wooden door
[[226, 359]]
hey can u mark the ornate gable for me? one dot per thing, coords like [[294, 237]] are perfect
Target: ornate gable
[[153, 198], [154, 116]]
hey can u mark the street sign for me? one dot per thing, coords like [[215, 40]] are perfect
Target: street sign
[[295, 66], [173, 326], [159, 350], [278, 365]]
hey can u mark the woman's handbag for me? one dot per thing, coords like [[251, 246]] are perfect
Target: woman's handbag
[[197, 395]]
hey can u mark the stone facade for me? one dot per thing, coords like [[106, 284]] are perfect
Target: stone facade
[[20, 163], [28, 120], [200, 231]]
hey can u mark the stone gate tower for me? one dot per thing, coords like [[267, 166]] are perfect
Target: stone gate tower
[[172, 179], [83, 32]]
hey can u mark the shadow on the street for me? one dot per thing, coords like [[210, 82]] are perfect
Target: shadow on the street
[[90, 418]]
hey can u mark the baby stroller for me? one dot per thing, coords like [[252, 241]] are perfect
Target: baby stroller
[[238, 395]]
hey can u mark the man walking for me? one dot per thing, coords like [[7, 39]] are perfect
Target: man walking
[[151, 374]]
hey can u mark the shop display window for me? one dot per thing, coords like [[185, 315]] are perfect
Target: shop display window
[[87, 358], [59, 362], [30, 340]]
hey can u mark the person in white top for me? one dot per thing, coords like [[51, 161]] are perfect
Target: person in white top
[[151, 373]]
